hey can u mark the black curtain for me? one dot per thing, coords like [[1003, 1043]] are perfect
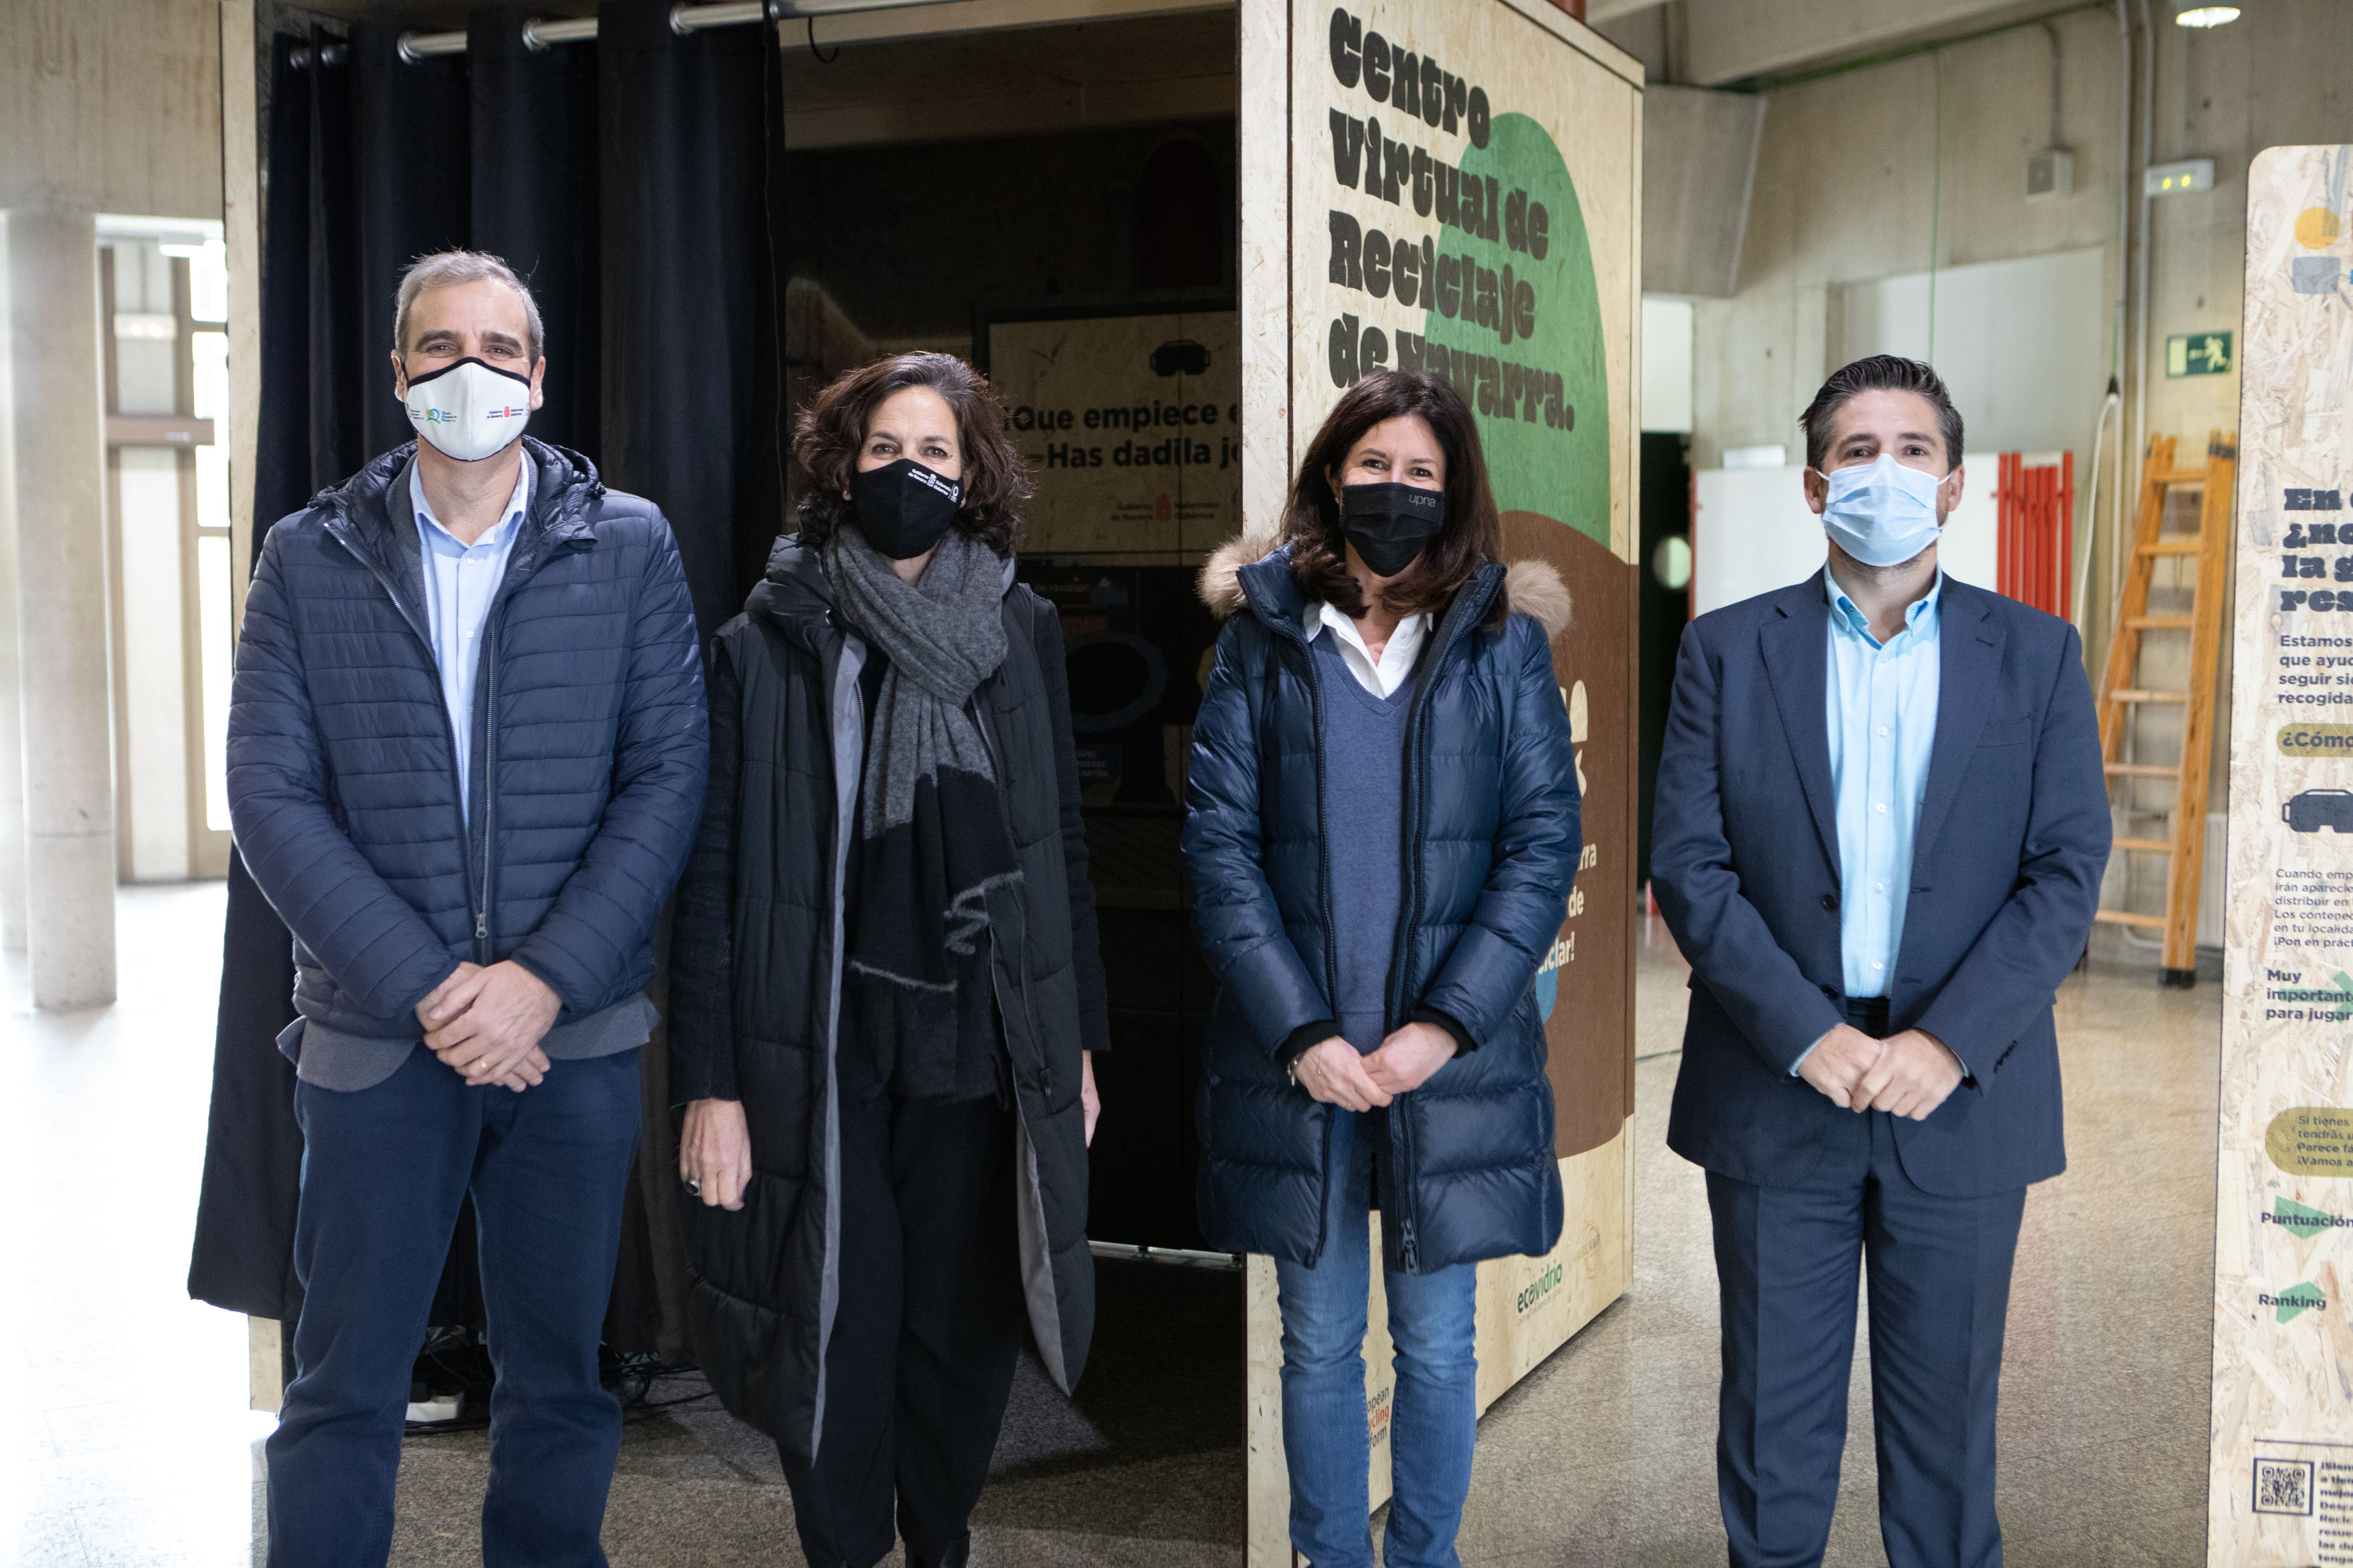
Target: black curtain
[[410, 176], [533, 128], [693, 297], [629, 181], [307, 439]]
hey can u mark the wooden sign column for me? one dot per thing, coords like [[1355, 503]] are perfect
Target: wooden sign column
[[1455, 186], [2282, 1490]]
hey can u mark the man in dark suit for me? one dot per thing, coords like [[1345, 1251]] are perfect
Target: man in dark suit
[[1879, 832]]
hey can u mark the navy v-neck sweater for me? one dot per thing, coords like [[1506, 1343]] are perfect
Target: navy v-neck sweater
[[1364, 814]]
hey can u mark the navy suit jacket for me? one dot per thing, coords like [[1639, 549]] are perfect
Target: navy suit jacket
[[2006, 864]]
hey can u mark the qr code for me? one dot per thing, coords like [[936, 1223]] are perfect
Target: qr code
[[2283, 1486]]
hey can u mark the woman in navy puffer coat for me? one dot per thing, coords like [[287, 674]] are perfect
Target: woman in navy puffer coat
[[1382, 833]]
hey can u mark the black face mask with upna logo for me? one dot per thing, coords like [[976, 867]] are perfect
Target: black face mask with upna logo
[[1391, 523]]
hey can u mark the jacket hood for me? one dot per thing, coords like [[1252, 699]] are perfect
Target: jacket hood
[[556, 471], [1531, 588], [794, 596]]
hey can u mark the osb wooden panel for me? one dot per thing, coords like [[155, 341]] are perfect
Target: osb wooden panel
[[2281, 1487], [1529, 60], [1264, 268]]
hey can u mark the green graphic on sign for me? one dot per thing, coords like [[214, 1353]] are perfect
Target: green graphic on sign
[[1528, 326], [2296, 1300], [2198, 354], [2299, 1221]]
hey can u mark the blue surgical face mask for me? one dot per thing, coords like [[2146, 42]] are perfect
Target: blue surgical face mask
[[1881, 513]]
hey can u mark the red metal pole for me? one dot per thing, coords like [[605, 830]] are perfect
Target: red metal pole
[[2067, 536], [2033, 562], [2008, 496]]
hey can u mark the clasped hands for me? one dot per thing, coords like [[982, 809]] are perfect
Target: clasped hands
[[1332, 1071], [1907, 1074], [485, 1023]]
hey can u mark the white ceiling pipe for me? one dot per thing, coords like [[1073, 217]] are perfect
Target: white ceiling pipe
[[540, 35]]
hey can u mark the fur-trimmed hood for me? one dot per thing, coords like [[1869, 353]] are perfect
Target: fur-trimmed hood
[[1531, 588]]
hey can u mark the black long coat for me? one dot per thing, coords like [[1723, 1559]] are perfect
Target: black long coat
[[756, 979]]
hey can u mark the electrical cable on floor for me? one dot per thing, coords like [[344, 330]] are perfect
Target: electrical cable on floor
[[455, 1361]]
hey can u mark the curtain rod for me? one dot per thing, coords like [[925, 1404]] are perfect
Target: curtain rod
[[539, 34]]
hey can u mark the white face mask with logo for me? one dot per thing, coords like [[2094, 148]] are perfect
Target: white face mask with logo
[[1881, 513], [470, 410]]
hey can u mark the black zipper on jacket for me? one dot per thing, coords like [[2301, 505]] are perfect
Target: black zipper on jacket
[[1402, 951], [493, 624], [449, 727], [478, 886], [1409, 917]]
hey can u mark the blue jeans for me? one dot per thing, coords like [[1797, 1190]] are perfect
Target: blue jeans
[[384, 1171], [1434, 1416]]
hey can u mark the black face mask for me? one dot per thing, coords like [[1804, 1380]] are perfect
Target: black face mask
[[903, 508], [1389, 523]]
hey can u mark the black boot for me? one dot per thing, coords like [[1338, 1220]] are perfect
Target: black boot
[[959, 1554]]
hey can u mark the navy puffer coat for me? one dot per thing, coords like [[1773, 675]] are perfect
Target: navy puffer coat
[[1465, 1165], [590, 747]]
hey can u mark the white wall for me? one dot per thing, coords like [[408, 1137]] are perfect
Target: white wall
[[1666, 364], [1869, 174], [2023, 344], [154, 772], [1754, 532]]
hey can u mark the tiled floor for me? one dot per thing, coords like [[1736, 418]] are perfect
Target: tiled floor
[[125, 1440]]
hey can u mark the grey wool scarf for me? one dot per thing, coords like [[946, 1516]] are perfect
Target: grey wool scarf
[[944, 636], [932, 837]]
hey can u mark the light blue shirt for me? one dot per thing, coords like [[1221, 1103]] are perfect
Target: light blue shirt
[[461, 581], [1883, 729]]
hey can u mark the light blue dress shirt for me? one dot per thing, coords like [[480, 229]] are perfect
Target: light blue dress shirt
[[1883, 729], [461, 581]]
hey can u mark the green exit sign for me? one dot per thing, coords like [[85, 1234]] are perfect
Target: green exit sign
[[2198, 354]]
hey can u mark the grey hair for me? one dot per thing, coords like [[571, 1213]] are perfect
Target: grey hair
[[1880, 372], [446, 269]]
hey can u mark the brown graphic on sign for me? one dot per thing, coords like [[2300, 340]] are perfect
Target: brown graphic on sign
[[1587, 976]]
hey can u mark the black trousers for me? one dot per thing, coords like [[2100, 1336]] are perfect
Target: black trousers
[[924, 1338], [1786, 1262]]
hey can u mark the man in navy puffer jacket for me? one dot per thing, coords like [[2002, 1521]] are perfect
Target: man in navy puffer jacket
[[466, 759]]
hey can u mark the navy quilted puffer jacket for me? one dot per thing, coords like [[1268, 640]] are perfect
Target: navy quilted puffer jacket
[[1465, 1162], [590, 748]]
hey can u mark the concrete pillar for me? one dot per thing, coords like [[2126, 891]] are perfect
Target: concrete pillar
[[55, 408], [12, 773]]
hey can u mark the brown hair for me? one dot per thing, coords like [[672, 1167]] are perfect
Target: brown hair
[[1880, 372], [1472, 534], [830, 430]]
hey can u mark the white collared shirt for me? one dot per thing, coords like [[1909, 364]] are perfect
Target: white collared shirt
[[1381, 675], [460, 583]]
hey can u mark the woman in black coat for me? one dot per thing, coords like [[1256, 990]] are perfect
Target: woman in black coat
[[1382, 833], [884, 984]]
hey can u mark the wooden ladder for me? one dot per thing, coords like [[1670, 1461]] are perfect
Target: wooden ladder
[[2122, 692]]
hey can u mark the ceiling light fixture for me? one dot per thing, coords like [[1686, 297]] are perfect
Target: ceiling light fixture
[[2205, 15]]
